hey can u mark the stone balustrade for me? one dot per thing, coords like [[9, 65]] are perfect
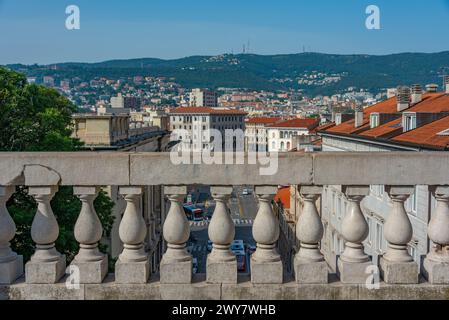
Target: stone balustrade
[[43, 276]]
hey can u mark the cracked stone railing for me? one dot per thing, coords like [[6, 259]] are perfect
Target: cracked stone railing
[[43, 173]]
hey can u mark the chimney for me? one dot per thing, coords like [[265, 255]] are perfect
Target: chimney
[[416, 93], [432, 88], [446, 83], [358, 116], [403, 98], [391, 92]]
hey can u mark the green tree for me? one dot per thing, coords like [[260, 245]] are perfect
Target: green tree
[[37, 118]]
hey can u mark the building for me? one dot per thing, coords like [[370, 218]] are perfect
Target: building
[[256, 136], [118, 102], [410, 121], [196, 123], [117, 133], [281, 134], [203, 98]]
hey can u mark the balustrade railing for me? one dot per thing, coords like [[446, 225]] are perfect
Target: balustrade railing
[[43, 173]]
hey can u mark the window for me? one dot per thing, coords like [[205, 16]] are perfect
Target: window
[[371, 233], [379, 236], [409, 121], [273, 145], [374, 120], [412, 202], [282, 145]]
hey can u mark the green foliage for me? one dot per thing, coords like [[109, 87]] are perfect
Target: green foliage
[[36, 118]]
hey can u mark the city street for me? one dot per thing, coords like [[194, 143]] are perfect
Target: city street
[[243, 211]]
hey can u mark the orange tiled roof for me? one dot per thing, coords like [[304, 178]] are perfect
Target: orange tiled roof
[[427, 135], [387, 129], [263, 120], [207, 110], [432, 102], [297, 123], [283, 196]]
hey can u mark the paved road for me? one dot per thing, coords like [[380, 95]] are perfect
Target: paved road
[[243, 211]]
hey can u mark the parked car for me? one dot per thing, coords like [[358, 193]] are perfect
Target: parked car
[[251, 248], [209, 245], [238, 247], [245, 192]]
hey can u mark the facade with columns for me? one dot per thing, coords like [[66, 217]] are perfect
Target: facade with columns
[[44, 173]]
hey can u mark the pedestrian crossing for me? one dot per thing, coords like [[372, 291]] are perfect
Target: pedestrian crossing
[[236, 222]]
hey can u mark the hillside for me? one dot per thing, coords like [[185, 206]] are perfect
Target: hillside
[[270, 72]]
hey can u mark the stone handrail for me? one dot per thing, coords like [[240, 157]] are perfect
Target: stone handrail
[[131, 169]]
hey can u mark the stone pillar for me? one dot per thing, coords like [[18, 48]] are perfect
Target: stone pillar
[[396, 265], [132, 265], [221, 262], [11, 264], [46, 265], [176, 264], [353, 263], [309, 263], [266, 264], [92, 264], [436, 264]]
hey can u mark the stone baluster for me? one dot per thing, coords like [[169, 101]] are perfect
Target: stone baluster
[[176, 264], [221, 262], [396, 265], [353, 263], [266, 263], [92, 264], [46, 265], [436, 264], [309, 263], [11, 264], [132, 265]]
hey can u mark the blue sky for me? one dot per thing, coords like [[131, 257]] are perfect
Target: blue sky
[[33, 31]]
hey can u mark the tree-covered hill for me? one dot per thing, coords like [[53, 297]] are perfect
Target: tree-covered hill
[[269, 71]]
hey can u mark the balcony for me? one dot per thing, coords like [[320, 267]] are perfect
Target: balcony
[[43, 277]]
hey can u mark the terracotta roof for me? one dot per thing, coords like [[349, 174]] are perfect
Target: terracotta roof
[[263, 120], [432, 102], [297, 123], [283, 196], [386, 130], [427, 135], [206, 110]]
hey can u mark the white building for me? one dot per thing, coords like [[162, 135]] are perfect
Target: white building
[[281, 135], [196, 123], [411, 122], [256, 136], [203, 98]]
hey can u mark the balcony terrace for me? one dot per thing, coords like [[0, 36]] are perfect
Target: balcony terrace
[[43, 277]]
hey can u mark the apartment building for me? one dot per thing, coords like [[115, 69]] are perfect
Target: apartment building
[[256, 136], [281, 135], [410, 121], [203, 98], [196, 123]]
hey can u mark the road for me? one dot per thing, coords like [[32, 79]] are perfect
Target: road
[[243, 211]]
